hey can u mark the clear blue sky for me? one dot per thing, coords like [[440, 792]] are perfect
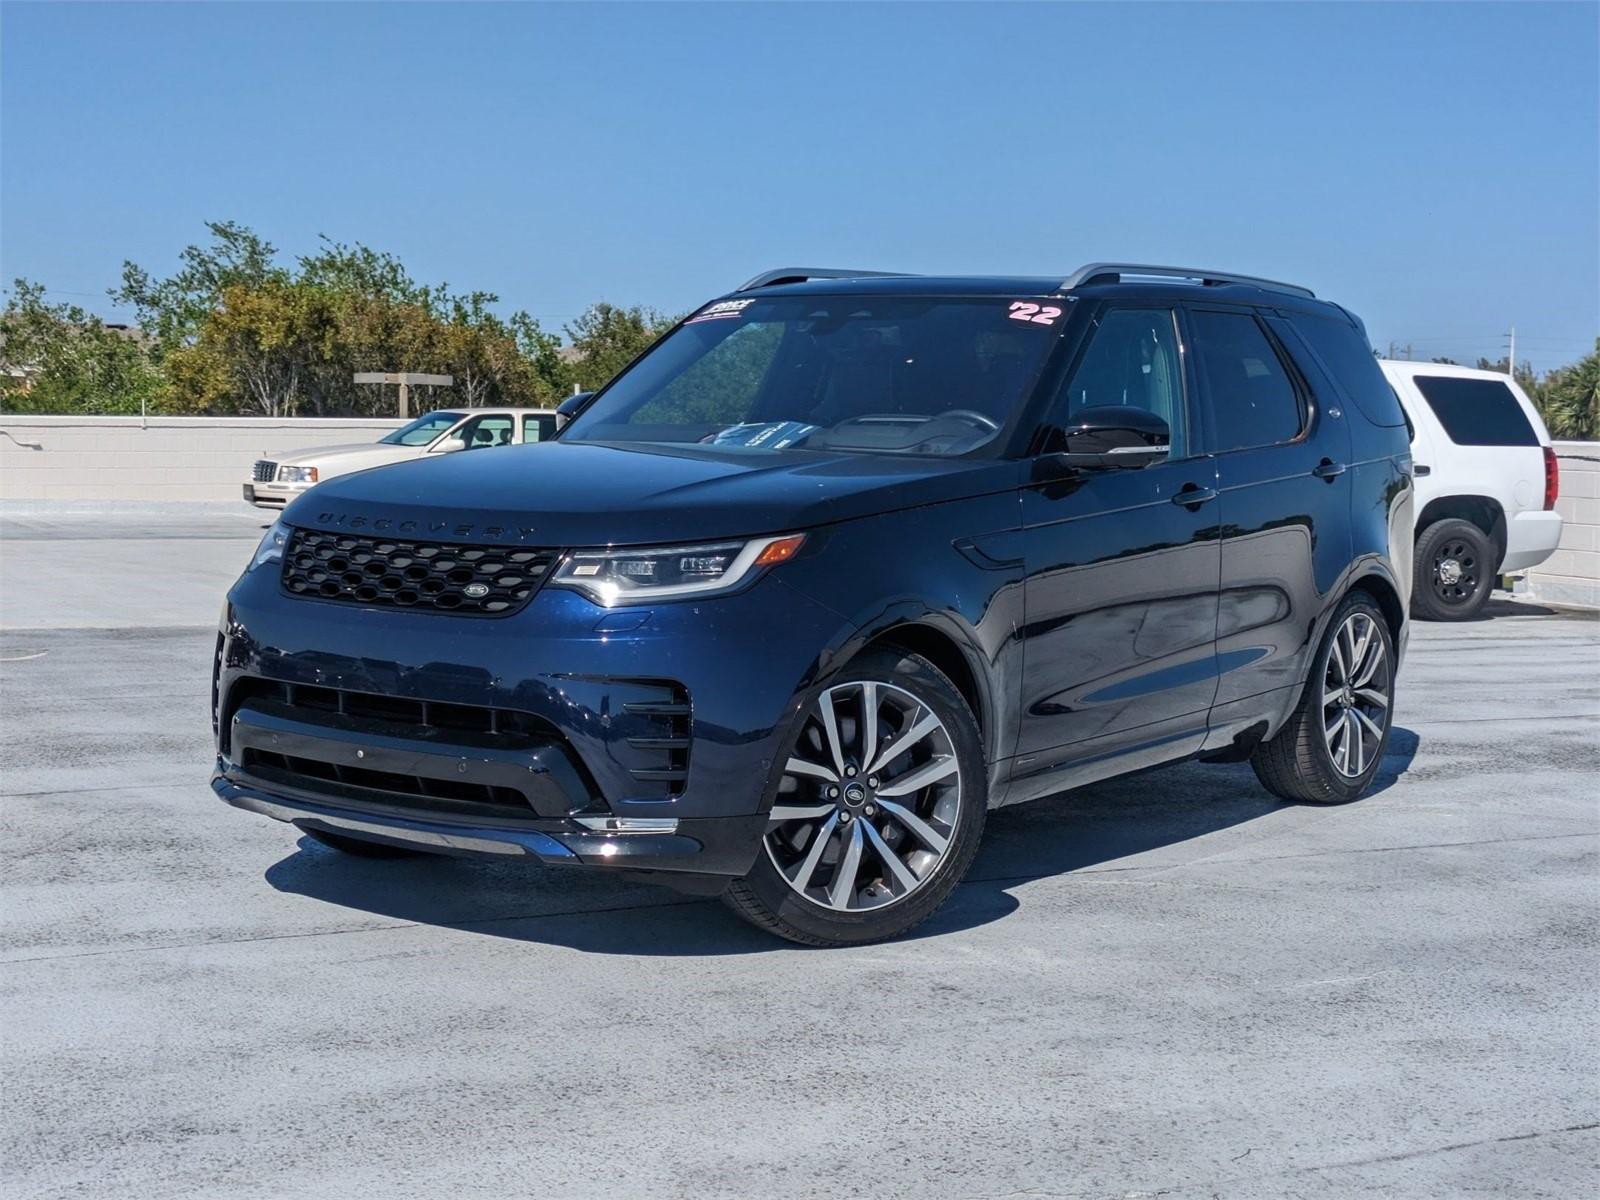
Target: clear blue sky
[[1434, 167]]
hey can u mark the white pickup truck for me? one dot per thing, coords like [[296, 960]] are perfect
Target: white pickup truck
[[1486, 484], [277, 480]]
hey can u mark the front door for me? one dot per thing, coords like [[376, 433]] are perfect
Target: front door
[[1122, 569]]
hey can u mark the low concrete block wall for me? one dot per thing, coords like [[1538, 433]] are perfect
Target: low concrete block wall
[[1571, 576], [164, 458]]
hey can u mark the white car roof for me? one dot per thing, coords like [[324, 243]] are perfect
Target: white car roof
[[1401, 366], [464, 412]]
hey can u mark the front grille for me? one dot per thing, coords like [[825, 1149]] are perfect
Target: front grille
[[307, 773], [445, 736], [424, 576], [265, 471], [401, 716]]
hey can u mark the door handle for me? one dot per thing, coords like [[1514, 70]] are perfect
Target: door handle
[[1421, 469], [1328, 469], [1193, 496]]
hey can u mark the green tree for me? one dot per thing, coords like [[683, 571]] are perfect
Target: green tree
[[57, 358], [171, 311], [1570, 399], [607, 338]]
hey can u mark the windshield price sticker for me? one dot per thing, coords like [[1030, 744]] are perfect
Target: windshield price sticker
[[720, 310], [1034, 314]]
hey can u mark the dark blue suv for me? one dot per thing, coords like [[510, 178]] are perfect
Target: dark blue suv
[[841, 562]]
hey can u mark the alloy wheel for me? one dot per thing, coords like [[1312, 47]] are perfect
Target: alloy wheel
[[869, 800], [1355, 695]]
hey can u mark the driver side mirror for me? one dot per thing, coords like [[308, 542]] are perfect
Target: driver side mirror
[[571, 407], [1111, 436], [454, 441]]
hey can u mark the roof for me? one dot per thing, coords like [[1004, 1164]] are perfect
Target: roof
[[1043, 285]]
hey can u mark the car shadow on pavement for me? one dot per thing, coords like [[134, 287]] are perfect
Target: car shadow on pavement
[[1090, 828]]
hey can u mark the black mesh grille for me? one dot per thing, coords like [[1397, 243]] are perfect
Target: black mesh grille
[[265, 471], [426, 576]]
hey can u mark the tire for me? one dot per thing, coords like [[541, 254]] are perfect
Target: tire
[[1455, 571], [359, 848], [1305, 762], [922, 806]]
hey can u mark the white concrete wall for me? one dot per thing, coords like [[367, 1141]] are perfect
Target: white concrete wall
[[164, 458], [1571, 576]]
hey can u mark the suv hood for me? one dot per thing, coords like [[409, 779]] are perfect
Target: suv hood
[[577, 494]]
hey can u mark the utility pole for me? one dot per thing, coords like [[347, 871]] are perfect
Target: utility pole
[[1511, 358]]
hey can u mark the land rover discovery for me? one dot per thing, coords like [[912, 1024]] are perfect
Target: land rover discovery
[[841, 562]]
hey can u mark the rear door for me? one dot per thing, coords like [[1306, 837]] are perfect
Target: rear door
[[1122, 569], [1283, 457]]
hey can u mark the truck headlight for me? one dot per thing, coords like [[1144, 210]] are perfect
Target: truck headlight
[[271, 547], [616, 577], [297, 474]]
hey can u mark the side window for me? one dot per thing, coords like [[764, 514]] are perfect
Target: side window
[[1476, 412], [536, 427], [1347, 357], [481, 433], [1253, 401], [1133, 360]]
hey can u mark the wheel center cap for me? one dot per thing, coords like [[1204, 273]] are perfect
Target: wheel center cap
[[1450, 571], [855, 795]]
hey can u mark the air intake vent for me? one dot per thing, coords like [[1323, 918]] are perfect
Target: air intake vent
[[659, 735], [489, 581]]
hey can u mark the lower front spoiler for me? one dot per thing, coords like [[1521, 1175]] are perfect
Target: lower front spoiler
[[713, 849]]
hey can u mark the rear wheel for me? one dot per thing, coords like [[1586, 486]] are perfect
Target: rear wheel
[[879, 808], [1331, 746], [1455, 568], [359, 848]]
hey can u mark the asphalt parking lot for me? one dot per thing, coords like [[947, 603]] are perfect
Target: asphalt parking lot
[[1163, 985]]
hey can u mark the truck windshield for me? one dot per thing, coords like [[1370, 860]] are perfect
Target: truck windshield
[[423, 430], [874, 374]]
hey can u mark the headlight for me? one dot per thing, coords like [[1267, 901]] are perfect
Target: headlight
[[297, 474], [271, 547], [614, 577]]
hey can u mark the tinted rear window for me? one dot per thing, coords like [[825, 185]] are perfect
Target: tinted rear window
[[1346, 356], [1477, 412], [1253, 403]]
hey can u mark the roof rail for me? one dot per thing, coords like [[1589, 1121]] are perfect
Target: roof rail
[[1109, 272], [801, 274]]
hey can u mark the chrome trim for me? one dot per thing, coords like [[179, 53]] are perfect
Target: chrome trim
[[476, 840], [629, 824]]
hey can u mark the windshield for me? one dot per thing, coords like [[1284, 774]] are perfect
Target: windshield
[[423, 430], [880, 374]]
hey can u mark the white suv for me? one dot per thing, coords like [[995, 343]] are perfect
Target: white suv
[[277, 480], [1486, 484]]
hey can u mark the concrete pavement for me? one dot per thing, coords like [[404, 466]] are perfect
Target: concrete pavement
[[1167, 984]]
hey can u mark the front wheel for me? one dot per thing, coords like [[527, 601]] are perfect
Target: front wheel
[[1332, 744], [879, 808]]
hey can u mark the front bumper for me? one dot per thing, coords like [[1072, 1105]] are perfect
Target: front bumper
[[273, 495], [587, 680], [715, 847]]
